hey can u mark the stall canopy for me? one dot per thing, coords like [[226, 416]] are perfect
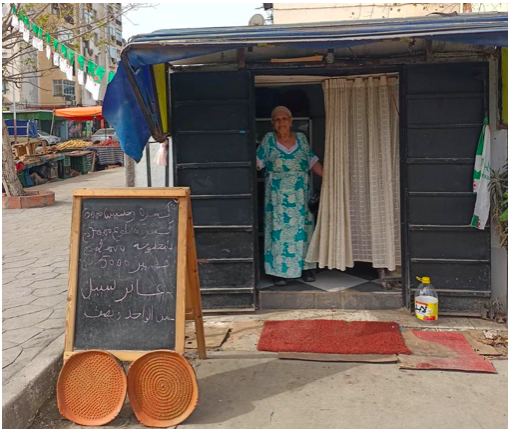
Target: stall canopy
[[139, 89], [80, 113], [40, 115]]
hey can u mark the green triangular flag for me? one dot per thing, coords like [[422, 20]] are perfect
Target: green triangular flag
[[35, 29], [81, 62], [111, 75], [13, 9], [63, 50], [70, 55], [99, 73], [48, 39], [90, 68], [39, 33], [55, 44]]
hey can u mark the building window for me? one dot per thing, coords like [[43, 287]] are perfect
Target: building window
[[5, 88], [89, 15], [63, 88]]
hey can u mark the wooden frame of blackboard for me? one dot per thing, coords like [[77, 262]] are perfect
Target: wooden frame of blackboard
[[188, 304]]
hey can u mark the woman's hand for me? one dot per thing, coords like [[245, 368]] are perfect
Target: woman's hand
[[317, 169]]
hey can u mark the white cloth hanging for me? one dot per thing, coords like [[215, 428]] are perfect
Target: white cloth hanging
[[359, 215], [56, 59], [161, 155], [48, 52]]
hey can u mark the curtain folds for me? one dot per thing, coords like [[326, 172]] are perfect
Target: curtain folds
[[359, 216]]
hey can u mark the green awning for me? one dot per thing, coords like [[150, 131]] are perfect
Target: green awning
[[39, 115]]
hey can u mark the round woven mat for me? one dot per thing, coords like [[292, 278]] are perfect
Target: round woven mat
[[91, 388], [162, 388]]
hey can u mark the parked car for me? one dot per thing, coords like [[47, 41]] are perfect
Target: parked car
[[50, 140], [103, 135]]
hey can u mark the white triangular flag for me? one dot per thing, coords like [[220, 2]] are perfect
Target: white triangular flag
[[88, 83], [81, 77], [26, 35], [34, 42], [69, 72], [63, 64], [48, 52], [96, 87], [21, 26], [15, 22], [41, 45], [56, 59]]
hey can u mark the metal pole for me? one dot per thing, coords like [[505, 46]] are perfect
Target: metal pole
[[14, 107], [14, 116], [52, 122]]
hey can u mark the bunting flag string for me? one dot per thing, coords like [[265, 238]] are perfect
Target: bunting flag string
[[63, 56]]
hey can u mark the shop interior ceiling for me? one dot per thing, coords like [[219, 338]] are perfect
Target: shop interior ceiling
[[139, 89]]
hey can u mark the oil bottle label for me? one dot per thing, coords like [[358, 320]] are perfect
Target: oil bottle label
[[426, 310]]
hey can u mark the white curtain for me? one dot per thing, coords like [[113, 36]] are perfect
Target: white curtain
[[359, 216]]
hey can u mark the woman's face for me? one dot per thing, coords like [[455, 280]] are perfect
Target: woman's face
[[282, 122]]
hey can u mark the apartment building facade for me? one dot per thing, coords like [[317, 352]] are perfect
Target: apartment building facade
[[100, 44]]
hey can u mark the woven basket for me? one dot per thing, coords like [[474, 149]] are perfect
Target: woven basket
[[91, 388], [162, 388]]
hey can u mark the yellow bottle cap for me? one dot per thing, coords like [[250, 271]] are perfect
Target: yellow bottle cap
[[425, 280]]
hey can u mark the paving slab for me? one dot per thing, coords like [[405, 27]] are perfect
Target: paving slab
[[21, 310], [27, 320], [19, 336]]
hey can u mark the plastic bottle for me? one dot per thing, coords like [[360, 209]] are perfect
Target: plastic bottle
[[426, 300]]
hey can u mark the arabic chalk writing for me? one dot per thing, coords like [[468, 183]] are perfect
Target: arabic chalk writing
[[127, 274]]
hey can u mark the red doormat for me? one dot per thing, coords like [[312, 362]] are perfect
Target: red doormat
[[332, 336], [443, 351]]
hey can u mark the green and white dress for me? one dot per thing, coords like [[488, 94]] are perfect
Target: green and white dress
[[288, 221]]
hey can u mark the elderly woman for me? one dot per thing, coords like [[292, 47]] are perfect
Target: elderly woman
[[287, 159]]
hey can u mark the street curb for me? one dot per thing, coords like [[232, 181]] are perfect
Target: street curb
[[24, 395]]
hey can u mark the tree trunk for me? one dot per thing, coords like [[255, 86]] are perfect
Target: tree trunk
[[10, 181]]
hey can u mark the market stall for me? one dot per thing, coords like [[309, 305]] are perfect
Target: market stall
[[107, 152]]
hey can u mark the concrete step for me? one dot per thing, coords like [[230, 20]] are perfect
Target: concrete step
[[343, 300]]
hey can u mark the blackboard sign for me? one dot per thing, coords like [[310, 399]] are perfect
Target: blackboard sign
[[130, 268], [127, 274]]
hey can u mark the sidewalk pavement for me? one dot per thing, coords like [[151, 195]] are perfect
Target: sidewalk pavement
[[240, 387], [246, 390], [35, 244], [35, 270]]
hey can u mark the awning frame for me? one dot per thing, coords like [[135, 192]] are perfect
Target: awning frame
[[134, 81]]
